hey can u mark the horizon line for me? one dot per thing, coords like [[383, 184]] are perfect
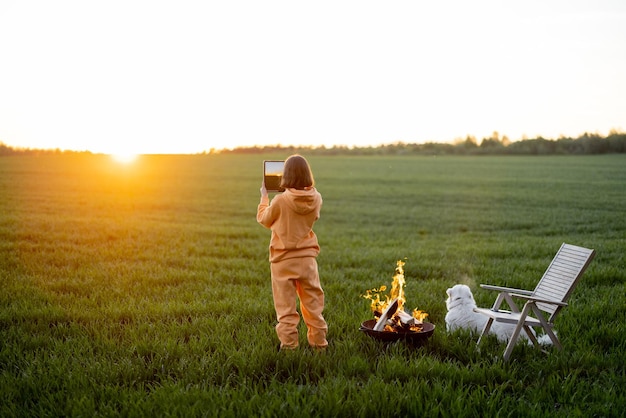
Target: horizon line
[[495, 136]]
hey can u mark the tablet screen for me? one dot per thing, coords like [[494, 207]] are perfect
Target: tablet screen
[[273, 174]]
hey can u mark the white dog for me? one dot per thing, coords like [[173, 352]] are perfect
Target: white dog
[[461, 315]]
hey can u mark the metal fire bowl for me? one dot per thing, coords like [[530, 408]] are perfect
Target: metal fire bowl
[[413, 337]]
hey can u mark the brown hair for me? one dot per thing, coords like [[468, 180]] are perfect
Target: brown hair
[[297, 173]]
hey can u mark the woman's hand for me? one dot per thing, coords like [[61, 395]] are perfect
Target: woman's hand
[[263, 189]]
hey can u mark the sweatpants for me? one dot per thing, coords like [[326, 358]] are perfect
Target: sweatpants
[[298, 277]]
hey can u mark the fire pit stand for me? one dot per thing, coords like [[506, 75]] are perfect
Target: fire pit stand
[[417, 338]]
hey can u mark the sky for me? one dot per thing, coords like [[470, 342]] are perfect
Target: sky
[[186, 76]]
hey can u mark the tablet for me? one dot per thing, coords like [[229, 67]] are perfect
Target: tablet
[[273, 174]]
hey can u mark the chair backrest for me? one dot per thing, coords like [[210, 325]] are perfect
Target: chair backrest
[[561, 277]]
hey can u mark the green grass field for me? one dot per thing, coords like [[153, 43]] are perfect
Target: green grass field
[[144, 290]]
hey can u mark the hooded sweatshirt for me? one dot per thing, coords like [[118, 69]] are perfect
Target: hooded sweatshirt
[[290, 217]]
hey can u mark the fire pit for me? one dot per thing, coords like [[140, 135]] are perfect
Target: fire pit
[[401, 334], [391, 323]]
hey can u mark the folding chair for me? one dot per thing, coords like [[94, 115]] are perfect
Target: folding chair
[[542, 304]]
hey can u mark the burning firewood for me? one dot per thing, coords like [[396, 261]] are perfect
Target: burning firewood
[[405, 318], [386, 315], [388, 309]]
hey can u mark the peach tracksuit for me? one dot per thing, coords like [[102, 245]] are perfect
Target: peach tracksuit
[[293, 264]]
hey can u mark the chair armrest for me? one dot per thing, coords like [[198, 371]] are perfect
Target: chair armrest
[[533, 299], [506, 289]]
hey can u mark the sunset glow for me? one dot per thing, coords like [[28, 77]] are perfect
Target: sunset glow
[[124, 158], [188, 77]]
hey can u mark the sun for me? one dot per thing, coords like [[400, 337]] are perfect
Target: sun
[[124, 157]]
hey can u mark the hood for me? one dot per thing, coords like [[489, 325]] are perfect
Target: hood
[[303, 202]]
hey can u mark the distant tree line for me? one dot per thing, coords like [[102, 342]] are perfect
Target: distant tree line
[[614, 143], [586, 144], [8, 150]]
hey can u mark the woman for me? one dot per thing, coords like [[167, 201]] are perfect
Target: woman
[[293, 251]]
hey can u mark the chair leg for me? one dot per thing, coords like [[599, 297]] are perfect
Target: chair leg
[[518, 329], [547, 328], [511, 345], [555, 340], [531, 336], [486, 329]]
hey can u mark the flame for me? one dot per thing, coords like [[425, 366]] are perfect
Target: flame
[[377, 304], [379, 301], [397, 286], [419, 315]]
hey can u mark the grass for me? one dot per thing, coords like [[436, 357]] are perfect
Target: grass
[[143, 289]]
